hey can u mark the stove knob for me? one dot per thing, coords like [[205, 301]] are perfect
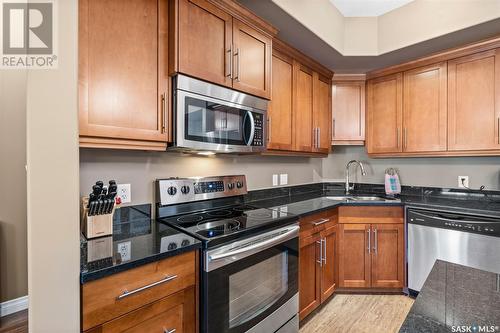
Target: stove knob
[[172, 246], [185, 242], [172, 190], [230, 186], [185, 189], [239, 184]]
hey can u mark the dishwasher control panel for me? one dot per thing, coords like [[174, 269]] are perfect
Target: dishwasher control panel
[[467, 223]]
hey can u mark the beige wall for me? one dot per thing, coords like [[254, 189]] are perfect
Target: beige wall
[[415, 22], [440, 172], [52, 182], [140, 169], [13, 243]]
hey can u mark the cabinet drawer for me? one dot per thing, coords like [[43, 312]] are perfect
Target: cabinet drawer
[[113, 296], [370, 214], [174, 312], [317, 222]]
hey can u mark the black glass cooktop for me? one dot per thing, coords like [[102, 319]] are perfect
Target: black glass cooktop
[[227, 222]]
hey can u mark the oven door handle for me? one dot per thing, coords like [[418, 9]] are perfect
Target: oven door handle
[[290, 233]]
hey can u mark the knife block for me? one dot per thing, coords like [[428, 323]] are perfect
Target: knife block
[[96, 225]]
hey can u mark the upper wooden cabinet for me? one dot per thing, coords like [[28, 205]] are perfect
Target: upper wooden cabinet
[[280, 114], [425, 109], [348, 108], [299, 118], [474, 102], [123, 104], [385, 114], [447, 104], [205, 39], [322, 113], [212, 42]]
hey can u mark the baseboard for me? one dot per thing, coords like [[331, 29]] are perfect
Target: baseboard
[[13, 306]]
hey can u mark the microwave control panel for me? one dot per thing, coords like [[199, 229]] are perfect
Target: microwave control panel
[[258, 139]]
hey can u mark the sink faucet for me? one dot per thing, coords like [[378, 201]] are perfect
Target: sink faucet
[[348, 187]]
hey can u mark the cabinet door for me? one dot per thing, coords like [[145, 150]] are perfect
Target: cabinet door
[[322, 114], [348, 112], [425, 109], [303, 110], [309, 274], [279, 116], [329, 269], [204, 41], [354, 256], [252, 60], [385, 113], [474, 102], [387, 255], [119, 98]]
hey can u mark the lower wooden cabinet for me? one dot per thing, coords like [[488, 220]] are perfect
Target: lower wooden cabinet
[[371, 255], [317, 260]]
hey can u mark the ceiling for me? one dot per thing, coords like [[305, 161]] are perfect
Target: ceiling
[[296, 34], [367, 8]]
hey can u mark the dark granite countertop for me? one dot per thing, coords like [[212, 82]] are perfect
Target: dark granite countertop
[[309, 199], [142, 239], [453, 296]]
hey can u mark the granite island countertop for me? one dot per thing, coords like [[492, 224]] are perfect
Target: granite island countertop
[[456, 298], [137, 240]]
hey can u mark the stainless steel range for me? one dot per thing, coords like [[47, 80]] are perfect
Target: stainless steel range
[[239, 243]]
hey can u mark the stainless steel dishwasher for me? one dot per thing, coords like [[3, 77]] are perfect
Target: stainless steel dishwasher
[[468, 240]]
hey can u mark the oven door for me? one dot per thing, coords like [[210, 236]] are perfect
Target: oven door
[[206, 123], [251, 280]]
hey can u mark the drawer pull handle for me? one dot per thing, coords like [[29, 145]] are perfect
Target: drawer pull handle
[[127, 293], [166, 330], [320, 222]]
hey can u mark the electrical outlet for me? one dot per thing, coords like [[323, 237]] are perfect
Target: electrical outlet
[[283, 179], [463, 181], [124, 192], [275, 180], [125, 249]]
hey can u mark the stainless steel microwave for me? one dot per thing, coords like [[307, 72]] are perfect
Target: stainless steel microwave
[[211, 118]]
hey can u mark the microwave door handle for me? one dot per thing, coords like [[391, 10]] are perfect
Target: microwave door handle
[[290, 233], [249, 114]]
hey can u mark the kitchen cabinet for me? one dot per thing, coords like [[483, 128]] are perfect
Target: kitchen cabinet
[[280, 112], [222, 42], [160, 295], [317, 260], [122, 105], [385, 114], [299, 119], [425, 108], [322, 114], [348, 110], [371, 247], [474, 102]]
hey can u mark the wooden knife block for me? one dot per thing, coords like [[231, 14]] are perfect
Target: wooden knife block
[[96, 225]]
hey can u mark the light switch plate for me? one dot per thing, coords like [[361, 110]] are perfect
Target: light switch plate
[[283, 179], [275, 180], [124, 191], [463, 181]]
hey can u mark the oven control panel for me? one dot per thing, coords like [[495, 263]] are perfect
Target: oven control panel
[[180, 190]]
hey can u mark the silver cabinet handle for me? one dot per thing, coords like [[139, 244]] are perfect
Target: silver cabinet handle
[[324, 251], [369, 242], [498, 120], [164, 112], [127, 293], [405, 138], [320, 222], [166, 330], [319, 137], [230, 62], [320, 261], [397, 137], [375, 238], [237, 54], [333, 128]]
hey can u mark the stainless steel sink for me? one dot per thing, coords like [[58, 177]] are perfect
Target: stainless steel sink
[[358, 198]]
